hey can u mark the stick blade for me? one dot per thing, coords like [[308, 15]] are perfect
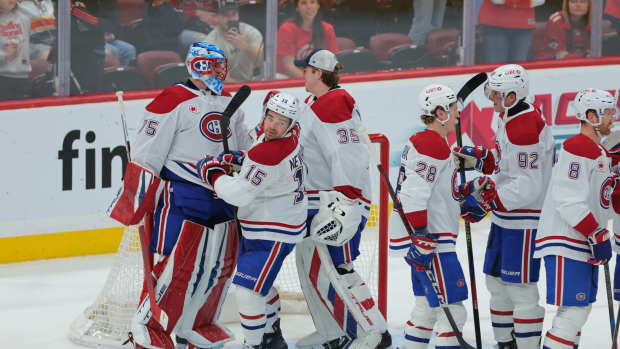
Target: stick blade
[[470, 86]]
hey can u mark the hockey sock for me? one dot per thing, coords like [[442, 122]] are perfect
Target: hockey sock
[[272, 309], [252, 315], [446, 338], [419, 328]]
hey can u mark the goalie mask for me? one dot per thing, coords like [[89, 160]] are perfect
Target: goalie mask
[[434, 96], [506, 79], [207, 62], [600, 101], [286, 105]]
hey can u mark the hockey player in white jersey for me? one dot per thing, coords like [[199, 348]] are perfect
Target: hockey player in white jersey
[[338, 187], [191, 232], [269, 191], [430, 195], [572, 234], [520, 166]]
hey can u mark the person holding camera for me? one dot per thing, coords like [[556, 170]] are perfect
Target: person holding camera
[[242, 43]]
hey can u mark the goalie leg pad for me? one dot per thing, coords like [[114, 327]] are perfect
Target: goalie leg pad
[[259, 263], [445, 335], [419, 328], [252, 314], [501, 310], [198, 322], [322, 301], [566, 329], [176, 275]]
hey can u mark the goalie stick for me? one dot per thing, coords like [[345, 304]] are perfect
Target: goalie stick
[[461, 96], [145, 236], [231, 108], [399, 208]]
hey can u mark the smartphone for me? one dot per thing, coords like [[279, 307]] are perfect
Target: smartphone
[[233, 26]]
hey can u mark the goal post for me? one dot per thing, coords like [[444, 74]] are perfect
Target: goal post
[[106, 322]]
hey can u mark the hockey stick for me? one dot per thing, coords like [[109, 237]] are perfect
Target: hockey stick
[[146, 231], [461, 96], [399, 208], [614, 337], [610, 303], [231, 108]]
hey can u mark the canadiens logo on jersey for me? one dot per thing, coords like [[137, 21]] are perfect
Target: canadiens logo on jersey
[[455, 185], [606, 189], [210, 126]]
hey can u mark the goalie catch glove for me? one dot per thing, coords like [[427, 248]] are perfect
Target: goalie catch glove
[[337, 220]]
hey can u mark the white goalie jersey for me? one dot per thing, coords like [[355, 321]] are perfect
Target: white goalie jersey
[[269, 190], [334, 152], [180, 126], [427, 189], [578, 200]]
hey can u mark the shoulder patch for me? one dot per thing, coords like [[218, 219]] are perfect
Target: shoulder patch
[[525, 129], [335, 106], [169, 99], [273, 152], [430, 144], [583, 146]]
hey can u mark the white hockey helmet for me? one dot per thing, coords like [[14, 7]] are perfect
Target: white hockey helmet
[[436, 95], [601, 101], [506, 79], [286, 105]]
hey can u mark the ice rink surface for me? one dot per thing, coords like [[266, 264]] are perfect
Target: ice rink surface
[[40, 299]]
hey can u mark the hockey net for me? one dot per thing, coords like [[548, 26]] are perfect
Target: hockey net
[[106, 322]]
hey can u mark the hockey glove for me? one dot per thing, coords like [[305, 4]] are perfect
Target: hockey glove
[[209, 169], [421, 251], [599, 246], [475, 158], [337, 221], [477, 197], [612, 144], [234, 158]]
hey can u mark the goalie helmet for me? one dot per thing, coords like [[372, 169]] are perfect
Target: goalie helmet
[[202, 62], [286, 105], [506, 79], [436, 95], [602, 102]]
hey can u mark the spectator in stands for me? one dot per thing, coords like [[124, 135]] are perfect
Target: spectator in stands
[[42, 27], [567, 34], [200, 19], [427, 16], [507, 27], [612, 13], [14, 50], [242, 43], [300, 36], [162, 26]]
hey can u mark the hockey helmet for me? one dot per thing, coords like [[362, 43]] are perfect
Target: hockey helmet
[[436, 95], [506, 79], [208, 63], [286, 105], [601, 101]]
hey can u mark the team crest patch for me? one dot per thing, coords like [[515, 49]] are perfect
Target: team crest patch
[[606, 189], [193, 108], [210, 127], [581, 296], [460, 283]]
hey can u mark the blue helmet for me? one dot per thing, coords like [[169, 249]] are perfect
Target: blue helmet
[[203, 60]]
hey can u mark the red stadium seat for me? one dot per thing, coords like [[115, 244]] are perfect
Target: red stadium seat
[[129, 10], [380, 44], [111, 62], [345, 43], [149, 61], [438, 41]]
